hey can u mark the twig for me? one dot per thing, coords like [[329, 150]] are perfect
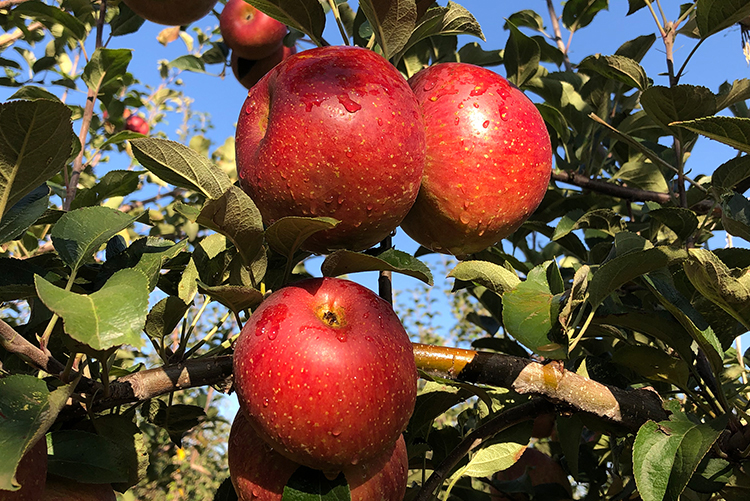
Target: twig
[[9, 38], [502, 421], [558, 35], [6, 4], [611, 189]]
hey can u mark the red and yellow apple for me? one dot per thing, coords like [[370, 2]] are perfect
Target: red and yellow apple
[[325, 373], [336, 132], [259, 473], [489, 159], [137, 124], [250, 33], [248, 72], [31, 473], [171, 12]]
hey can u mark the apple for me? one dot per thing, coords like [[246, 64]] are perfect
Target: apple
[[489, 159], [63, 489], [540, 468], [325, 373], [248, 72], [171, 12], [336, 132], [259, 473], [137, 124], [30, 474], [248, 32]]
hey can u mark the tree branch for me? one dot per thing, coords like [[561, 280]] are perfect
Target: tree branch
[[558, 35], [6, 4], [9, 38]]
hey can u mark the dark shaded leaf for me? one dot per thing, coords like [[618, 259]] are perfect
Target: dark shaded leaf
[[521, 57], [392, 22], [731, 131], [619, 68], [306, 16], [666, 105], [343, 262], [579, 13], [23, 214], [713, 16], [286, 235], [682, 221], [312, 485]]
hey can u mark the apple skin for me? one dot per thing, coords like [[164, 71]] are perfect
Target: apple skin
[[542, 469], [325, 373], [336, 132], [248, 72], [489, 159], [62, 489], [250, 33], [259, 473], [171, 12], [30, 474], [137, 124]]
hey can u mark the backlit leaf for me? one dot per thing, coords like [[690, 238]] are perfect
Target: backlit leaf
[[713, 16], [306, 16], [677, 104], [619, 68], [493, 276], [731, 131], [287, 234], [343, 262], [392, 22]]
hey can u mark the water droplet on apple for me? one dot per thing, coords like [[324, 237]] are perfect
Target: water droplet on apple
[[266, 402], [486, 124], [340, 200], [350, 105], [336, 433], [380, 121], [429, 85], [457, 120], [270, 320], [272, 333], [478, 91], [466, 204], [369, 207], [249, 107], [366, 315], [369, 339], [355, 461], [329, 199], [349, 154], [504, 116], [341, 336], [464, 218], [476, 105]]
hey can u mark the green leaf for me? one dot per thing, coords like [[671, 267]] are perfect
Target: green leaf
[[115, 183], [731, 131], [527, 19], [181, 166], [306, 484], [494, 457], [730, 95], [28, 410], [605, 220], [306, 16], [392, 22], [109, 317], [622, 269], [50, 15], [79, 233], [682, 221], [619, 68], [35, 143], [530, 311], [472, 53], [17, 278], [81, 456], [33, 93], [122, 136], [666, 105], [189, 62], [579, 13], [637, 48], [521, 57], [713, 16], [666, 454], [164, 317], [735, 216], [125, 22], [226, 491], [23, 214], [653, 364], [287, 234], [433, 400], [106, 68], [343, 262], [730, 174], [235, 297], [177, 419], [122, 431], [493, 276]]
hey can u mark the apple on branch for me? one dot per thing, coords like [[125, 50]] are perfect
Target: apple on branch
[[30, 474], [335, 132], [249, 72], [171, 12], [250, 33], [325, 373], [489, 159]]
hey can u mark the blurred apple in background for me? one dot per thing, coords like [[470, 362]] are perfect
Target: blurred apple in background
[[171, 12], [249, 72], [248, 32]]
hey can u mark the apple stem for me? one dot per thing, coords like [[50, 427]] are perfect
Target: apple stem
[[385, 278]]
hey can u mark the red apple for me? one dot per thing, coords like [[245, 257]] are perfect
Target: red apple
[[248, 32], [540, 468], [63, 489], [325, 373], [259, 473], [31, 473], [171, 12], [489, 159], [248, 72], [137, 124], [336, 132]]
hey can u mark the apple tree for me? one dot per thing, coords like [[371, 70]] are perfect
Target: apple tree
[[596, 352]]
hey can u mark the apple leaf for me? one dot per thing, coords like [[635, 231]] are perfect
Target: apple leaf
[[49, 15], [306, 16], [526, 19], [307, 484], [666, 105], [17, 278], [494, 457], [84, 456], [125, 22], [33, 93], [392, 22], [653, 364], [79, 233], [682, 221], [181, 166], [732, 131], [115, 183], [109, 317], [164, 317], [35, 143], [666, 454], [619, 68], [433, 400], [521, 57], [735, 216], [147, 255], [122, 136], [343, 262], [493, 276], [226, 491], [530, 312], [730, 174], [636, 48], [28, 409], [235, 297], [287, 234], [713, 16], [729, 95], [23, 214], [121, 430], [188, 62], [579, 13], [105, 69]]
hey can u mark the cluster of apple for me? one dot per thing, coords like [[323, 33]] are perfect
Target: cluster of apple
[[326, 379]]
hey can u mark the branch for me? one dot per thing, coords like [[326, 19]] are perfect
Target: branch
[[502, 421], [6, 4], [558, 35], [9, 38]]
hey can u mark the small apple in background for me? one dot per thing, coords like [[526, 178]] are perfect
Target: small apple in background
[[30, 474], [248, 72], [63, 489], [336, 132], [540, 468], [489, 159], [171, 12], [137, 124], [325, 373], [248, 32], [259, 473]]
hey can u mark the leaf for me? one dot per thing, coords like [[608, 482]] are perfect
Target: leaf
[[109, 317], [530, 311], [33, 93], [122, 431], [189, 62], [80, 233], [106, 68], [666, 105], [50, 15], [28, 409], [731, 131], [604, 220], [472, 53], [81, 456], [176, 419], [493, 276], [521, 57], [433, 400], [730, 174], [619, 68], [637, 48], [235, 297], [23, 214], [287, 234], [125, 22], [666, 454], [392, 22], [122, 136], [494, 457], [306, 484], [735, 216], [713, 16], [17, 278], [343, 262], [115, 183], [579, 13], [653, 364], [682, 221], [164, 317], [614, 273], [644, 175], [730, 95], [306, 16], [526, 18], [226, 491], [35, 143], [181, 166]]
